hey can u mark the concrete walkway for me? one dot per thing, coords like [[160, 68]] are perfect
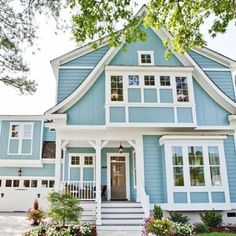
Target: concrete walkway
[[13, 224], [16, 224]]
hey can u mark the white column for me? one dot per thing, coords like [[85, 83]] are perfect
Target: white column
[[98, 182], [139, 166], [58, 164]]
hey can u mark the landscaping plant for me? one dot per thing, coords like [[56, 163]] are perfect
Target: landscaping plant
[[36, 214], [183, 229], [64, 208], [201, 228], [212, 218], [157, 212], [178, 217]]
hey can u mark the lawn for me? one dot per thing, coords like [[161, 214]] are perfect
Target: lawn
[[217, 234]]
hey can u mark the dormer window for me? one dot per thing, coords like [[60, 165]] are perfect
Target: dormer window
[[146, 58]]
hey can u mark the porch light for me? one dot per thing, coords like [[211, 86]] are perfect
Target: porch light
[[20, 172], [121, 149]]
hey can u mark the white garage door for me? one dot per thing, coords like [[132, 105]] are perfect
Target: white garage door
[[19, 194]]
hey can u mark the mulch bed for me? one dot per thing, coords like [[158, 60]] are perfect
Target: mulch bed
[[224, 229]]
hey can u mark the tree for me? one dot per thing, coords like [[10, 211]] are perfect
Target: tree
[[181, 18], [64, 208], [17, 31]]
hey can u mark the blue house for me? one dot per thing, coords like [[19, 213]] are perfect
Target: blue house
[[129, 130]]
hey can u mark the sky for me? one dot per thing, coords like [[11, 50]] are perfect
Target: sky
[[53, 45]]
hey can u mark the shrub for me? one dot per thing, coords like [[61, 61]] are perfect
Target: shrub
[[160, 227], [64, 208], [178, 217], [201, 228], [157, 212], [212, 218], [36, 214], [183, 229]]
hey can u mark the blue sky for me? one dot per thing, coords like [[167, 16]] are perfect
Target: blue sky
[[51, 46]]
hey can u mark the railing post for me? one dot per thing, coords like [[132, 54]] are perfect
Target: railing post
[[58, 164], [98, 182]]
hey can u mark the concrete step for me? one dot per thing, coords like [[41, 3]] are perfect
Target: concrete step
[[122, 210], [118, 221], [119, 228], [121, 204], [122, 215]]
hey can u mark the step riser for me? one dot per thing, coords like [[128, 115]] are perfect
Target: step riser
[[121, 204], [118, 228], [122, 210], [124, 216], [123, 221]]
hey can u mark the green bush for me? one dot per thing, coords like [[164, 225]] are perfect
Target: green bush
[[160, 227], [157, 212], [212, 218], [183, 229], [178, 217], [201, 228], [36, 214], [64, 208]]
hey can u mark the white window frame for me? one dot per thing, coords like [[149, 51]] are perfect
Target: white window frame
[[81, 165], [151, 53], [21, 137], [205, 142]]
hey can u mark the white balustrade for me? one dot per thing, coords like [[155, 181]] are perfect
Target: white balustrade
[[145, 201], [82, 190]]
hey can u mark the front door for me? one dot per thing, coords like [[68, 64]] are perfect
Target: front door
[[118, 178]]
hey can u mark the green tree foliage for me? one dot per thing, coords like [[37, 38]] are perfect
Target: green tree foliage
[[18, 31], [181, 18], [64, 208]]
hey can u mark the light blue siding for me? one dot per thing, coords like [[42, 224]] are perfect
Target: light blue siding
[[48, 170], [218, 197], [166, 96], [75, 173], [223, 80], [180, 197], [150, 95], [199, 197], [207, 110], [88, 174], [117, 114], [134, 95], [89, 59], [69, 80], [184, 115], [36, 144], [26, 146], [13, 146], [154, 169], [89, 110], [205, 62], [152, 43], [48, 135], [230, 156], [144, 114]]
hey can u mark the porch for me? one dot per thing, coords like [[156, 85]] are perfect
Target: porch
[[101, 170]]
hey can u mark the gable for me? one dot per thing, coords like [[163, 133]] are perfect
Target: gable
[[129, 56]]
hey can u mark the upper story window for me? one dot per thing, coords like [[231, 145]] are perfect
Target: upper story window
[[133, 80], [182, 89], [88, 160], [75, 160], [116, 88], [20, 138], [149, 80], [164, 80], [146, 58]]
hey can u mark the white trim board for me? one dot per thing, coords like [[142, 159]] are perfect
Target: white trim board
[[126, 155]]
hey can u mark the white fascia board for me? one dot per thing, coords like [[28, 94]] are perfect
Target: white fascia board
[[22, 117], [56, 116], [148, 69], [20, 163], [165, 138], [87, 83]]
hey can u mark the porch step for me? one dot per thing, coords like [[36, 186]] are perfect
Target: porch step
[[121, 216]]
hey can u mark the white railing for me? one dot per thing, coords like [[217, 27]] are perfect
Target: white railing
[[145, 201], [82, 190]]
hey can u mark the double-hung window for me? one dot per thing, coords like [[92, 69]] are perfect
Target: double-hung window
[[182, 89], [20, 138], [117, 88]]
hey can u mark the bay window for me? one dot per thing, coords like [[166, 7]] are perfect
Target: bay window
[[116, 88], [182, 89], [178, 170]]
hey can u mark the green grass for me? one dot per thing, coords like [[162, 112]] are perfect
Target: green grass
[[217, 234]]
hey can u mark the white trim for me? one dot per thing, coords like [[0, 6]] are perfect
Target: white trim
[[21, 163], [22, 117], [41, 140], [151, 53], [27, 177], [134, 168], [216, 69], [126, 155], [76, 67]]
